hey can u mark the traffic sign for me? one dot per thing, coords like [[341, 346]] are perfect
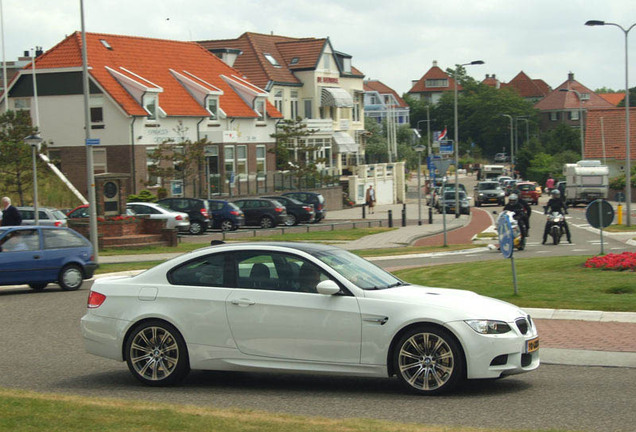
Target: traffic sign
[[446, 147], [599, 213], [441, 165], [506, 237], [92, 141]]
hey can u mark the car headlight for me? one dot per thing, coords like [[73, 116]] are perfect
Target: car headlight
[[502, 194], [488, 326], [481, 194]]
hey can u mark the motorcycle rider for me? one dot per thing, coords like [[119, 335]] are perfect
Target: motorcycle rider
[[514, 205], [556, 204]]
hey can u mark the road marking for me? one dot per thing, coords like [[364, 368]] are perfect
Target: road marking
[[580, 250]]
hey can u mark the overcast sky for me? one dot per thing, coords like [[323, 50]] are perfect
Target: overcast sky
[[394, 41]]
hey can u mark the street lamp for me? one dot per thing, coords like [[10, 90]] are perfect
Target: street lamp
[[580, 116], [628, 183], [512, 148], [474, 62], [34, 141]]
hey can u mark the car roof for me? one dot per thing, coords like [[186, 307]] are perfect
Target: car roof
[[304, 247]]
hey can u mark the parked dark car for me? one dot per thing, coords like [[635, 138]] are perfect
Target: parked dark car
[[196, 208], [313, 198], [39, 255], [226, 215], [262, 212], [297, 211]]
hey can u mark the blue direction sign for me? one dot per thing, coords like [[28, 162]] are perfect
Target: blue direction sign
[[506, 238], [92, 141], [446, 147]]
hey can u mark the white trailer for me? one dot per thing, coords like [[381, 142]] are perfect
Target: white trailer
[[493, 171], [586, 181]]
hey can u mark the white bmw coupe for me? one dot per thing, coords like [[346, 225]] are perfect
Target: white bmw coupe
[[294, 307]]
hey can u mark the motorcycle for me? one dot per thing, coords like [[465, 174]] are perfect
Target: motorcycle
[[519, 241], [556, 227]]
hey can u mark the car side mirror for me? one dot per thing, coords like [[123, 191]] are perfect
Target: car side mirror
[[328, 287]]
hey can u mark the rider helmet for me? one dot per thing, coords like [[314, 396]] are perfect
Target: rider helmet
[[512, 199], [556, 193]]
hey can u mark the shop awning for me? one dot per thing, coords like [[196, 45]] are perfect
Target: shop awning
[[344, 143], [336, 97]]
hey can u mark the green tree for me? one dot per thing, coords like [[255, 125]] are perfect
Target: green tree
[[562, 138], [375, 148], [294, 151], [16, 164]]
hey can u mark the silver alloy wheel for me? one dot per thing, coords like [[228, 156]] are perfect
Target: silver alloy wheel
[[290, 220], [267, 222], [426, 361], [154, 353], [71, 278], [227, 225], [196, 228]]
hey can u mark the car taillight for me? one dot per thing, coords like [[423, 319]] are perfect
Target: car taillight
[[204, 212], [95, 299], [308, 208], [279, 209], [179, 218], [57, 223], [319, 207], [235, 213]]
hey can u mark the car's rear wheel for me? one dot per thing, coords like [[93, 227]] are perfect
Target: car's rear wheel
[[227, 225], [266, 222], [156, 354], [428, 360], [38, 286], [196, 228], [71, 277]]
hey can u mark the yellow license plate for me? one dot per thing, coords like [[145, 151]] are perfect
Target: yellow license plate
[[532, 345]]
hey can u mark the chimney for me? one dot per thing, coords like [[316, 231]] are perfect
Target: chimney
[[413, 82], [434, 63], [494, 76], [487, 76], [228, 55], [38, 51], [571, 76]]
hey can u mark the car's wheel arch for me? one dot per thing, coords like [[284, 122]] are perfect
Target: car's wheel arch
[[398, 335], [134, 324], [75, 263]]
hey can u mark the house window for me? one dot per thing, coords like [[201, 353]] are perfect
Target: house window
[[356, 107], [554, 116], [150, 105], [22, 104], [261, 159], [152, 180], [241, 162], [272, 60], [229, 163], [346, 65], [574, 115], [293, 104], [99, 161], [326, 61], [294, 61], [97, 112], [443, 82], [308, 108], [213, 107], [278, 101], [259, 107]]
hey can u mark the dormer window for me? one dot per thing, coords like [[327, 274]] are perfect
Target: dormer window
[[272, 60], [346, 64], [151, 105], [441, 82], [105, 43], [259, 107], [213, 107]]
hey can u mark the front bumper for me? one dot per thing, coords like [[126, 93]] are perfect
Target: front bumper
[[89, 270]]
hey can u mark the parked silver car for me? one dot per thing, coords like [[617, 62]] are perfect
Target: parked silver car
[[174, 219], [48, 216]]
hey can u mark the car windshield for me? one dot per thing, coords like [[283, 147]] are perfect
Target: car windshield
[[526, 187], [357, 270], [451, 195], [488, 186], [59, 215]]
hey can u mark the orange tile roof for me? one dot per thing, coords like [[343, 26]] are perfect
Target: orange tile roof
[[380, 87], [527, 87], [613, 98], [613, 130], [150, 59], [558, 100], [434, 73]]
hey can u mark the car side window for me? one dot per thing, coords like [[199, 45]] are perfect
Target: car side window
[[210, 270], [20, 241], [277, 272], [59, 239]]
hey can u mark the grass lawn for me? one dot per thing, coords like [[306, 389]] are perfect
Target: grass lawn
[[554, 282], [30, 411], [620, 228]]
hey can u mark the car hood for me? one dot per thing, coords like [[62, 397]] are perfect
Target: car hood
[[455, 304]]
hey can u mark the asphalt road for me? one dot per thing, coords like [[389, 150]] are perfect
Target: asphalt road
[[43, 351]]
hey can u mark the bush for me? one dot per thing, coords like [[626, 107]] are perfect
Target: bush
[[143, 196]]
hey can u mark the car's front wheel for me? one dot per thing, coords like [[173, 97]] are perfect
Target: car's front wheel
[[227, 225], [71, 277], [428, 360], [291, 220], [267, 222], [156, 354]]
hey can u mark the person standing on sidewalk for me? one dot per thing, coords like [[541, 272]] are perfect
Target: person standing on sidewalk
[[370, 198], [10, 214]]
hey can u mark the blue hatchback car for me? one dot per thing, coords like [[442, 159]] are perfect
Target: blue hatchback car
[[226, 215], [39, 255]]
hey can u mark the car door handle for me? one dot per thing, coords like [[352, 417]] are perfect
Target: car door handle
[[36, 256], [243, 302]]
